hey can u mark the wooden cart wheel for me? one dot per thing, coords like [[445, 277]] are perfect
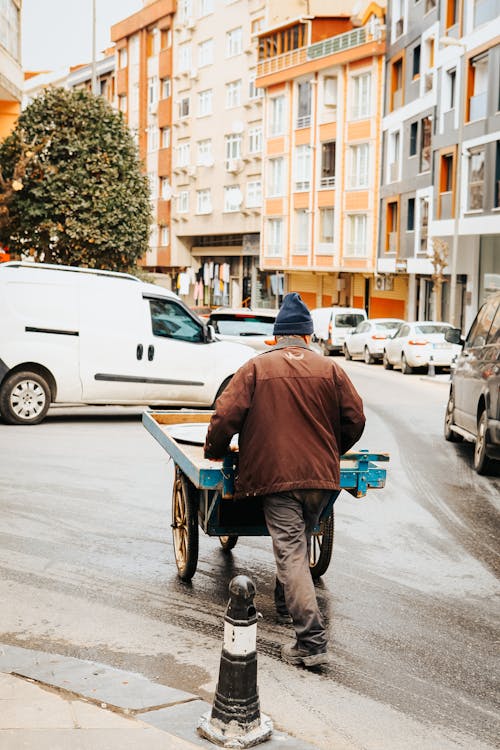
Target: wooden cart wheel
[[322, 548], [228, 542], [185, 525]]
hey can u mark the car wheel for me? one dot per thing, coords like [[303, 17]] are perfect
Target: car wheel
[[347, 354], [385, 362], [449, 435], [405, 367], [482, 463], [367, 356], [24, 398]]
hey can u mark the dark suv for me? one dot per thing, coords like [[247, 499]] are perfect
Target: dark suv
[[473, 410]]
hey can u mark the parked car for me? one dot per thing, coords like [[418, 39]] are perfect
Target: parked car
[[367, 340], [413, 344], [96, 337], [473, 410], [253, 327], [333, 324]]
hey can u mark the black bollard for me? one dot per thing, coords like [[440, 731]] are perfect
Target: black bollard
[[235, 719], [431, 372]]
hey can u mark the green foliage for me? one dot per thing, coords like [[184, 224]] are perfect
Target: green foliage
[[83, 199]]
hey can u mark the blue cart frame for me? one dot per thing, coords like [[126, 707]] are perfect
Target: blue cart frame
[[203, 495]]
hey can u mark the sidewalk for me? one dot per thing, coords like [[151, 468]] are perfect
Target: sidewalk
[[53, 702]]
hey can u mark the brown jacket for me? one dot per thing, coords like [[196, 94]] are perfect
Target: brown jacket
[[296, 413]]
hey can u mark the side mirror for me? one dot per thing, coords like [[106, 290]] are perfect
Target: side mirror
[[209, 334], [453, 336]]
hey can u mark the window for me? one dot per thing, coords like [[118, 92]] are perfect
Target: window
[[361, 86], [203, 201], [303, 167], [122, 103], [184, 107], [166, 88], [253, 91], [394, 146], [206, 7], [165, 236], [166, 190], [153, 185], [205, 156], [257, 25], [330, 91], [233, 149], [170, 320], [233, 94], [274, 247], [429, 5], [183, 154], [254, 193], [413, 138], [205, 53], [416, 61], [496, 199], [277, 115], [478, 87], [183, 202], [451, 17], [153, 136], [424, 224], [255, 140], [276, 177], [392, 226], [234, 42], [165, 137], [184, 57], [451, 87], [425, 144], [205, 99], [359, 166], [476, 180], [410, 218], [152, 91], [232, 198], [165, 38], [301, 231], [185, 9], [278, 42], [484, 11], [396, 99], [327, 178], [304, 104], [446, 177], [398, 20], [326, 225], [122, 58], [356, 242], [153, 42]]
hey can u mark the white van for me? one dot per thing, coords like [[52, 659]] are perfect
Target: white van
[[74, 335], [333, 324]]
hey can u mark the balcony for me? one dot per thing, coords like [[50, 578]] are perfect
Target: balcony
[[446, 205], [304, 121], [486, 10], [338, 43], [478, 106], [327, 182], [302, 185]]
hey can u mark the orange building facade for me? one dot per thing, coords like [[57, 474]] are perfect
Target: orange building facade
[[143, 89], [323, 80]]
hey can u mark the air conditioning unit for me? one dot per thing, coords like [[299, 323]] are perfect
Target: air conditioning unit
[[380, 283]]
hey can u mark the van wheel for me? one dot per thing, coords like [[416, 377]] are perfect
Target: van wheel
[[482, 463], [24, 398]]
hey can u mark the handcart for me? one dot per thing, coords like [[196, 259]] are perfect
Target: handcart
[[203, 492]]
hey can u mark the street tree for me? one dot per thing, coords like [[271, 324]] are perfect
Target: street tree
[[71, 187]]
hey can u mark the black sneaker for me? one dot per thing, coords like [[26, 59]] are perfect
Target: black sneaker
[[294, 654], [283, 618]]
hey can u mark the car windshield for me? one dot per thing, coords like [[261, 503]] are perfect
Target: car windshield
[[243, 325], [431, 328], [348, 320], [388, 325]]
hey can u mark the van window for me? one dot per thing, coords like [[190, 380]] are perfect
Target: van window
[[348, 320], [170, 320], [482, 324]]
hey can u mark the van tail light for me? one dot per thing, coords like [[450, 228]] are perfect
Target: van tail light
[[379, 338], [415, 342]]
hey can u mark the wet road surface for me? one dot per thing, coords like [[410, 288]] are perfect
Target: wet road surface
[[411, 596]]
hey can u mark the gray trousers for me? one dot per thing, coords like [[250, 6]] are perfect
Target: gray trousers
[[290, 518]]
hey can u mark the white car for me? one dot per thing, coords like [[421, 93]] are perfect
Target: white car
[[414, 344], [244, 326], [368, 339]]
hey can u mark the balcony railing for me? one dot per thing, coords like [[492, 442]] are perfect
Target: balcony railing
[[486, 10], [393, 242], [327, 182], [446, 204], [304, 121], [478, 106], [339, 43]]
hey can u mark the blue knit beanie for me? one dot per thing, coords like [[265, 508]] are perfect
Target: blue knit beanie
[[293, 318]]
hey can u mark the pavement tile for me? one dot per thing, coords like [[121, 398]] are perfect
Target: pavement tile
[[90, 739], [182, 721]]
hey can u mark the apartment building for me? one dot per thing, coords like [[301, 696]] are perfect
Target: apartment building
[[217, 152], [466, 153], [411, 94], [76, 77], [144, 94], [323, 81], [11, 77]]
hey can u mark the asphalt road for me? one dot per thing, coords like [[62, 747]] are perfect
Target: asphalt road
[[411, 596]]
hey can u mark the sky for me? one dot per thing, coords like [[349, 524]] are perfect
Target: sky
[[58, 33]]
